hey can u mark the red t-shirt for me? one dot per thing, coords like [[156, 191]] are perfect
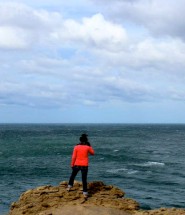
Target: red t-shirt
[[80, 155]]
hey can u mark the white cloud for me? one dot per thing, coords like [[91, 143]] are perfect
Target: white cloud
[[13, 38], [166, 55], [24, 27], [159, 17], [23, 16], [95, 32], [106, 63]]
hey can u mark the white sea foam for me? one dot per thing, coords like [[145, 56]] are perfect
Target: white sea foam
[[20, 159], [117, 170], [153, 163], [130, 172], [114, 171], [116, 150]]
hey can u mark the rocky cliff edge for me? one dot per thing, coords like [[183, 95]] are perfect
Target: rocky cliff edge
[[103, 200]]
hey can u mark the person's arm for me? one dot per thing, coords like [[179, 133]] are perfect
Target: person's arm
[[91, 150], [73, 157]]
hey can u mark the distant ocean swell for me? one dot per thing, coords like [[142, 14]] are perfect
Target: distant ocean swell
[[146, 161]]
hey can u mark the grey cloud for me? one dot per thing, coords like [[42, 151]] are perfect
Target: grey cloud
[[95, 73], [23, 16], [75, 87], [21, 27], [159, 17], [84, 87]]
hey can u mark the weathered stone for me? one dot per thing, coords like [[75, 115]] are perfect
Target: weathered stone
[[103, 199]]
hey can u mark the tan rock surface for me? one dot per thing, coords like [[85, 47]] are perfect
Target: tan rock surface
[[103, 200], [84, 210], [49, 200]]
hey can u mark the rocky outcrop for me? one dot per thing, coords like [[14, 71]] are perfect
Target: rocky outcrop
[[103, 200]]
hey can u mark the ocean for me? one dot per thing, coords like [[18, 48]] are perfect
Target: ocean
[[145, 160]]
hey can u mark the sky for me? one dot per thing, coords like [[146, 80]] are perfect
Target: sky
[[92, 61]]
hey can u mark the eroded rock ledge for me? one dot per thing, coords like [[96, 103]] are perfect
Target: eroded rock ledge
[[103, 200]]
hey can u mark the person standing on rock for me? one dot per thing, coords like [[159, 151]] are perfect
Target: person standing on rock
[[80, 161]]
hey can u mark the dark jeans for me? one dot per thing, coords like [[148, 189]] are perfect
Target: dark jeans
[[84, 171]]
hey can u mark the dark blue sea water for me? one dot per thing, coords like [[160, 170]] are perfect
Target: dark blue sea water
[[146, 161]]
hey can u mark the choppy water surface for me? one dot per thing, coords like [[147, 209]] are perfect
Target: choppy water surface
[[146, 161]]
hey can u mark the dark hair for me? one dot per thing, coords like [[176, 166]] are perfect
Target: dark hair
[[84, 140]]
